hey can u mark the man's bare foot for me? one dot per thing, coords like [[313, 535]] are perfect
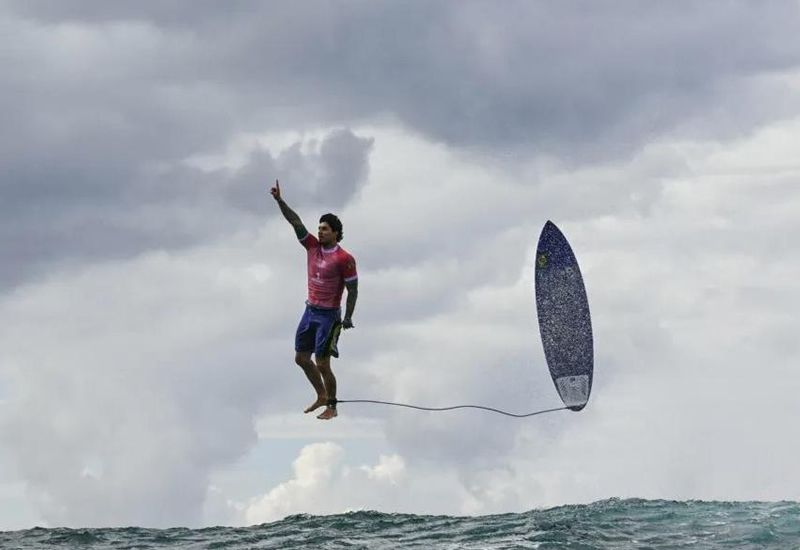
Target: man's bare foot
[[328, 413], [321, 400]]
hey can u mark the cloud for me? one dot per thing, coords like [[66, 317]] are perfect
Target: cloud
[[327, 172], [165, 360], [323, 483], [103, 105], [177, 206], [150, 288], [312, 472], [691, 293], [129, 383], [691, 288], [558, 79]]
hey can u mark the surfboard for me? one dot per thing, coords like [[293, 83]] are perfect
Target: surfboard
[[564, 321]]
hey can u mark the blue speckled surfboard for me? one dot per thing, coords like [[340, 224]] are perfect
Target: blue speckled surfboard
[[564, 321]]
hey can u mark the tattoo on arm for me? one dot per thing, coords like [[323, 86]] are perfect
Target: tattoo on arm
[[352, 296], [292, 217]]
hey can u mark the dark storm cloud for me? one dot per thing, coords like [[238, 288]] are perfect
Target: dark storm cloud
[[98, 96], [173, 208], [339, 162], [553, 75]]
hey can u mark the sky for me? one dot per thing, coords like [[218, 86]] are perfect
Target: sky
[[150, 288]]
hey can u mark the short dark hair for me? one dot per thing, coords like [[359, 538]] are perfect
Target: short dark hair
[[335, 223]]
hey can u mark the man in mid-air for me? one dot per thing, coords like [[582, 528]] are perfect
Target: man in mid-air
[[330, 270]]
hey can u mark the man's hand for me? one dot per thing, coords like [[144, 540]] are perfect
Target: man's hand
[[290, 215], [347, 323], [276, 191]]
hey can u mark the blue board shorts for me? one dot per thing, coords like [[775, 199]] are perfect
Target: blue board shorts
[[319, 331]]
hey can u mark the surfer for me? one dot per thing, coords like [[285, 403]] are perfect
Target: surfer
[[331, 269]]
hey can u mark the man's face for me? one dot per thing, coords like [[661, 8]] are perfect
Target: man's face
[[325, 234]]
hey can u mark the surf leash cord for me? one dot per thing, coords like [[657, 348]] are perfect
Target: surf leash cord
[[334, 402]]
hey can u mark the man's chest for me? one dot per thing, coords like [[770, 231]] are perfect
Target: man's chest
[[323, 267]]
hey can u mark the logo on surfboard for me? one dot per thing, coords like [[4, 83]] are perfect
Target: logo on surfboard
[[542, 260]]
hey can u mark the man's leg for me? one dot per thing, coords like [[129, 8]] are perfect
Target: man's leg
[[324, 366], [303, 359]]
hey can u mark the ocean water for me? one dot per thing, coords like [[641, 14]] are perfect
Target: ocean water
[[611, 523]]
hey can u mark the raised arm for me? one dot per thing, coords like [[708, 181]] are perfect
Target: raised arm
[[290, 215]]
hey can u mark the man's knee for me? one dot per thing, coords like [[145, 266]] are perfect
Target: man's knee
[[323, 363], [302, 358]]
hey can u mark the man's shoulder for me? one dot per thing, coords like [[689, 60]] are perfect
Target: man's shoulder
[[346, 262], [342, 253], [345, 257], [309, 241]]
